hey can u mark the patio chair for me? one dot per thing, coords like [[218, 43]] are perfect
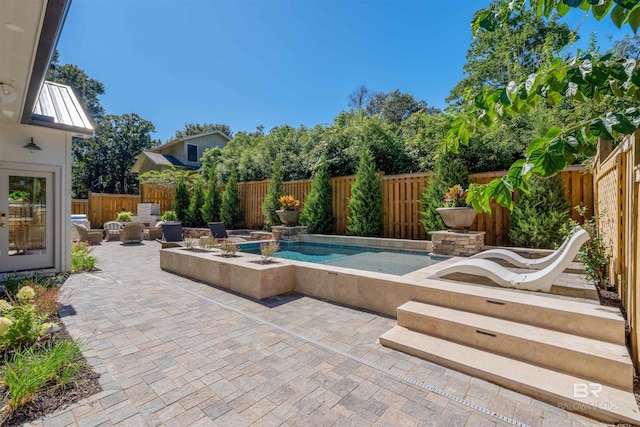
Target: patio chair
[[89, 236], [219, 231], [132, 232], [522, 262], [171, 235], [153, 233], [540, 280], [112, 229]]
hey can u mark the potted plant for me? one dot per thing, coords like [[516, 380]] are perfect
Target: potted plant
[[456, 213], [169, 216], [124, 216], [289, 210]]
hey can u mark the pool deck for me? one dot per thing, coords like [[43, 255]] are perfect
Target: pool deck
[[173, 351]]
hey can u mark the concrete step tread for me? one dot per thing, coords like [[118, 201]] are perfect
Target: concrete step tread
[[610, 405], [563, 340], [497, 294]]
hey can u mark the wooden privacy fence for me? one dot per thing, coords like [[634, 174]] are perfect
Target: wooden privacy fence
[[105, 207], [402, 205], [79, 206], [617, 186]]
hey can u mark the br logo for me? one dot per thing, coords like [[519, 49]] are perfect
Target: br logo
[[582, 390]]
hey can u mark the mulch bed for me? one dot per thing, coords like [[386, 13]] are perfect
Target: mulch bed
[[85, 385]]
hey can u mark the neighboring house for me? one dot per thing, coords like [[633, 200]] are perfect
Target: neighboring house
[[184, 153], [38, 120]]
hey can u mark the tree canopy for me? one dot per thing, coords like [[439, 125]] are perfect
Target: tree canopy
[[86, 88], [582, 80], [198, 128]]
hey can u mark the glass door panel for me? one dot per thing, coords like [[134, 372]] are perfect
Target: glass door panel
[[26, 220]]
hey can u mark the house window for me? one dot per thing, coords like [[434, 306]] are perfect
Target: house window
[[192, 153]]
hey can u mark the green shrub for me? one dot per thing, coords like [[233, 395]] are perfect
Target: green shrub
[[194, 214], [230, 211], [81, 258], [365, 204], [211, 208], [169, 216], [449, 171], [34, 369], [124, 216], [20, 324], [317, 211], [181, 199], [593, 254], [538, 216], [274, 192]]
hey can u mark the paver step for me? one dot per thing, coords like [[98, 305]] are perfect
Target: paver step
[[573, 317], [568, 392], [598, 361]]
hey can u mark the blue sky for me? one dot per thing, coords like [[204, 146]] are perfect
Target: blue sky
[[270, 62]]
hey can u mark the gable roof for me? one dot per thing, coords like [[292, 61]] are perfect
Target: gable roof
[[58, 107], [157, 159], [190, 137]]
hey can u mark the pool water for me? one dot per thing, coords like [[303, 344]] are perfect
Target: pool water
[[380, 260]]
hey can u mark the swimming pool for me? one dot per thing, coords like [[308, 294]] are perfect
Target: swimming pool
[[382, 260]]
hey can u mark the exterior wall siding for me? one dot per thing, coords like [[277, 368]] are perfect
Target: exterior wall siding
[[54, 156]]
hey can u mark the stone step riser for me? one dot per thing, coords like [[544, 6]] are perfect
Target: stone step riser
[[611, 404], [600, 362]]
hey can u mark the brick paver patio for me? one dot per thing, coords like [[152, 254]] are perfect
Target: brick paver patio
[[176, 352]]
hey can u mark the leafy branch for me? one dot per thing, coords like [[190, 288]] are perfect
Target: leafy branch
[[621, 11], [579, 79]]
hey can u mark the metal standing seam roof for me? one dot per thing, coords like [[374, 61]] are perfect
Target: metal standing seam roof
[[57, 106]]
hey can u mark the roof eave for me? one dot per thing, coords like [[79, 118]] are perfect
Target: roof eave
[[77, 130], [54, 18]]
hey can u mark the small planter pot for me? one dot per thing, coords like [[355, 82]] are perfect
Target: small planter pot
[[288, 218], [458, 219]]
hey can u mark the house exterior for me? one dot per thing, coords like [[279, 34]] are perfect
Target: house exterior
[[184, 153], [38, 121]]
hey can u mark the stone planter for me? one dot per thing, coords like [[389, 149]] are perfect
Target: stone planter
[[458, 219], [288, 218]]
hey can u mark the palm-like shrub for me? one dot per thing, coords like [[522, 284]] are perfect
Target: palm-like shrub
[[274, 192], [365, 204], [317, 212], [538, 216], [449, 171], [212, 201], [230, 211], [181, 199]]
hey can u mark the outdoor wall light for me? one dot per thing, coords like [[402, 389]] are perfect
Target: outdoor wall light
[[32, 147], [7, 93]]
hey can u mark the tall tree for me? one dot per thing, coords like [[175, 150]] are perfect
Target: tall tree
[[198, 128], [275, 190], [181, 200], [86, 88], [317, 212], [395, 106], [103, 162], [365, 203], [211, 208], [231, 211], [511, 52], [359, 98]]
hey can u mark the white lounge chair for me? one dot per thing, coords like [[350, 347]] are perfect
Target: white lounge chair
[[522, 262], [540, 280]]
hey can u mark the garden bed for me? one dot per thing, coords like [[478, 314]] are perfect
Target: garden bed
[[85, 384]]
